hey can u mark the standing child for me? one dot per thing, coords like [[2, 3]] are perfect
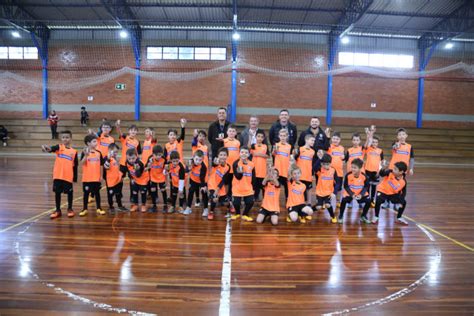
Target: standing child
[[392, 189], [175, 143], [325, 186], [91, 160], [104, 139], [296, 204], [233, 146], [197, 181], [139, 178], [336, 151], [354, 152], [64, 172], [372, 164], [218, 180], [260, 154], [305, 159], [281, 158], [402, 151], [178, 178], [129, 141], [271, 198], [113, 179], [148, 143], [84, 116], [356, 187], [242, 186], [199, 143], [156, 164]]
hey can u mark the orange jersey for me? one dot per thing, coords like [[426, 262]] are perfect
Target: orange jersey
[[374, 157], [243, 187], [282, 159], [147, 150], [271, 198], [216, 177], [295, 194], [127, 143], [356, 185], [156, 170], [391, 185], [353, 153], [103, 143], [141, 179], [177, 173], [259, 162], [197, 171], [233, 146], [64, 163], [205, 150], [113, 176], [91, 167], [401, 154], [176, 146], [325, 185], [305, 162], [337, 154]]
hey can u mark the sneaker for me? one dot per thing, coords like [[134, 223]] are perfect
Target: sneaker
[[180, 210], [134, 208], [234, 217], [83, 213], [55, 214], [364, 219], [288, 220], [187, 211], [143, 209], [165, 209], [123, 209], [205, 212], [402, 221], [334, 220], [247, 218], [100, 211], [170, 210], [112, 210], [232, 209], [197, 204], [375, 220], [302, 220], [340, 220], [309, 217], [91, 199], [153, 209], [210, 216], [70, 212]]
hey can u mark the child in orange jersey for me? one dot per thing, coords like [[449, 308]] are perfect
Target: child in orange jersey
[[242, 186], [156, 165], [305, 159], [402, 151], [199, 143], [296, 204], [233, 146], [64, 172], [177, 172], [218, 179], [374, 158], [104, 139], [356, 187], [175, 143], [354, 152], [148, 143], [325, 185], [139, 178], [271, 198], [92, 161], [392, 189], [259, 153], [113, 179], [197, 181], [282, 158], [129, 141], [336, 151]]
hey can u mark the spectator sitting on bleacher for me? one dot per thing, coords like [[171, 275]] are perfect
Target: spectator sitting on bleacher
[[4, 135]]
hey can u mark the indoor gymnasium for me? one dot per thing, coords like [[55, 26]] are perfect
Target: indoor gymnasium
[[236, 157]]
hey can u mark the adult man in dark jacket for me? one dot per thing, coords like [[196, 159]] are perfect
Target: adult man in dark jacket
[[322, 140], [218, 131], [283, 122]]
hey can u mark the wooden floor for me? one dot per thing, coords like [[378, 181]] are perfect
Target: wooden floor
[[172, 265]]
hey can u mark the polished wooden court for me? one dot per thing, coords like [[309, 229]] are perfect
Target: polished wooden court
[[173, 265]]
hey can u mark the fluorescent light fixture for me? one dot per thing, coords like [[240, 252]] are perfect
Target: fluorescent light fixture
[[345, 40], [235, 36], [16, 34], [123, 34], [449, 45]]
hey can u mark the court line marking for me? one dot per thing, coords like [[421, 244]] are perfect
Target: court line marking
[[224, 304]]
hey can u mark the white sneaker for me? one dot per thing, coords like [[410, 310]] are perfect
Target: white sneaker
[[187, 211], [205, 212], [197, 204], [402, 221]]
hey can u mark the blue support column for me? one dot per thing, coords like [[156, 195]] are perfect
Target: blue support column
[[423, 62], [233, 101], [333, 43], [43, 53], [136, 45]]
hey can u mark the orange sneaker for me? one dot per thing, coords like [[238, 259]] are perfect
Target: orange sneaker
[[55, 214], [210, 216], [70, 212], [144, 209], [134, 208]]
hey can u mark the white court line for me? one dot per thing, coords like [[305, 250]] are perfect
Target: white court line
[[224, 305]]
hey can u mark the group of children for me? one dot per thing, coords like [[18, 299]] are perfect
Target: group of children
[[237, 175]]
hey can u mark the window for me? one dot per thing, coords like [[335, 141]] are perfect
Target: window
[[186, 53], [15, 52], [376, 60]]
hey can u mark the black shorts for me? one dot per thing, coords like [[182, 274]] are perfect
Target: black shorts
[[222, 199], [156, 185], [62, 186], [322, 200], [298, 209], [266, 213], [338, 185], [91, 186], [116, 189], [372, 175]]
